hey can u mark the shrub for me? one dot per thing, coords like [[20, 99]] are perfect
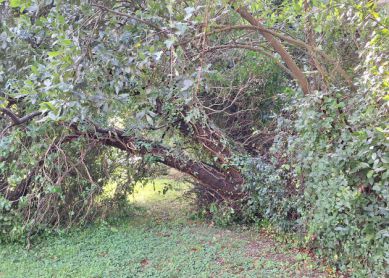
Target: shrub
[[329, 179], [270, 196], [11, 225]]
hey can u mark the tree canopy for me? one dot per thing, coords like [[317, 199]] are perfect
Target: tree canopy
[[275, 109]]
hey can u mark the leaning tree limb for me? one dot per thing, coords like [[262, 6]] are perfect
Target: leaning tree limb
[[297, 73], [294, 42], [226, 182]]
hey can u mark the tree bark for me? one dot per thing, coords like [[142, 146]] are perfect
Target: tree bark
[[212, 140]]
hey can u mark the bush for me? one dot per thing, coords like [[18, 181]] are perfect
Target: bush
[[270, 196], [11, 224], [329, 179], [345, 170]]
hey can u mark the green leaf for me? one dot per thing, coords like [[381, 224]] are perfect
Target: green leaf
[[286, 166], [54, 53], [318, 29], [149, 120], [66, 42], [385, 159], [15, 3], [47, 106], [363, 165], [169, 42]]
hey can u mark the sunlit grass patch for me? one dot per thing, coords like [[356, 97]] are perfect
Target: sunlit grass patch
[[158, 189], [150, 189]]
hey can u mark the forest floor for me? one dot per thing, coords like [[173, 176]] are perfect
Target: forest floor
[[160, 239]]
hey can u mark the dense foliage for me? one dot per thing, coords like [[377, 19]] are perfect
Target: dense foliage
[[329, 172], [275, 110]]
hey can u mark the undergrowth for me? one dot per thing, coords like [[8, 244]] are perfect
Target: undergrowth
[[158, 239]]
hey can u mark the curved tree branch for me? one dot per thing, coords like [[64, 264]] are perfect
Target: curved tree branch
[[292, 41], [19, 121], [279, 48], [227, 183]]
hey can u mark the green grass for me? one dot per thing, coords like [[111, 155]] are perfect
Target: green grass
[[158, 240], [154, 191]]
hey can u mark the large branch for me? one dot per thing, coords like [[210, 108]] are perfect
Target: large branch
[[17, 120], [279, 48], [211, 139], [225, 183], [294, 42]]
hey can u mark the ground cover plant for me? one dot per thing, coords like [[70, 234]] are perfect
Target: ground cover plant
[[159, 240], [275, 112]]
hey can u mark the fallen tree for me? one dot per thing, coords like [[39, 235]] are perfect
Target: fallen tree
[[79, 77], [63, 97], [224, 184]]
